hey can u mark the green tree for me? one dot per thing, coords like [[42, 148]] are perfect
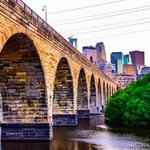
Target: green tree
[[130, 105]]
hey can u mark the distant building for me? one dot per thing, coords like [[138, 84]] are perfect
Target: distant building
[[129, 69], [123, 80], [91, 53], [117, 60], [107, 69], [126, 59], [144, 71], [97, 55], [137, 58], [139, 69], [119, 66], [101, 53], [73, 41]]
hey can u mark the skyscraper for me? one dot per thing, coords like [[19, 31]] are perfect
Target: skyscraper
[[101, 53], [126, 59], [117, 60], [91, 53], [137, 58], [73, 41], [95, 54]]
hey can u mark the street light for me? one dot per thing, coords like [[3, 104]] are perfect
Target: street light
[[44, 8]]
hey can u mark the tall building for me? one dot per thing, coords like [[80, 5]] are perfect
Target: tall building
[[91, 53], [126, 59], [129, 69], [137, 58], [117, 60], [123, 80], [101, 53], [73, 41], [97, 55]]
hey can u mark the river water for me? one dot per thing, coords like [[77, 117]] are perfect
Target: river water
[[87, 136]]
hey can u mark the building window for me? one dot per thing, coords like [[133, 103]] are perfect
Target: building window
[[91, 58]]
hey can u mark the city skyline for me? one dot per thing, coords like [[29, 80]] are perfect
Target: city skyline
[[125, 29]]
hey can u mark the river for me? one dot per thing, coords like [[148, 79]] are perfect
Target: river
[[86, 136]]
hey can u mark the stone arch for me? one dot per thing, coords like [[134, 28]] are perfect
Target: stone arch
[[63, 99], [112, 90], [92, 92], [104, 92], [82, 95], [23, 87], [107, 91], [63, 88], [99, 93]]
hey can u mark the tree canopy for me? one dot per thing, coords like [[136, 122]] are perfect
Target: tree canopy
[[130, 105]]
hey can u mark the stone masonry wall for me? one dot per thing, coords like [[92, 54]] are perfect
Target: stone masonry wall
[[50, 49]]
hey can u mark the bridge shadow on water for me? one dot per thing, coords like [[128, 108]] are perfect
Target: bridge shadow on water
[[63, 139], [86, 136], [55, 145]]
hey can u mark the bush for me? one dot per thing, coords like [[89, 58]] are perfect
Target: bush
[[130, 105]]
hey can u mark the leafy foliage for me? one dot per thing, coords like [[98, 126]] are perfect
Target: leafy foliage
[[130, 105]]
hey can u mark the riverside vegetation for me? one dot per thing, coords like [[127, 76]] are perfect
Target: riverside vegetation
[[131, 105]]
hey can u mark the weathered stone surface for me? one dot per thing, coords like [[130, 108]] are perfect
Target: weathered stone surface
[[25, 131], [40, 71], [65, 119]]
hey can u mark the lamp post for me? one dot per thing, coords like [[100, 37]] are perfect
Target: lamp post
[[44, 8]]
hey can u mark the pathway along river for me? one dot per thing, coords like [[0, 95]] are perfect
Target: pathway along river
[[86, 136]]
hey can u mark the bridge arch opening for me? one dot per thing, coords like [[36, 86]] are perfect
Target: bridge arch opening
[[92, 92], [22, 82], [104, 92], [112, 90], [63, 103], [82, 95], [99, 93], [107, 91]]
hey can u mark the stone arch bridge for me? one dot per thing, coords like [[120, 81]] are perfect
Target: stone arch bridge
[[43, 79]]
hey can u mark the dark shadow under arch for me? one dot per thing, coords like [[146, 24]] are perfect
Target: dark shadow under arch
[[107, 91], [99, 93], [104, 92], [63, 89], [22, 81], [92, 92], [82, 95]]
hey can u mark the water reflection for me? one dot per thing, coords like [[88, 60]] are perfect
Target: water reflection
[[55, 145], [68, 145], [87, 137], [11, 145]]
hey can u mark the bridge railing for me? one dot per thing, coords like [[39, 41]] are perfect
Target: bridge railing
[[55, 34]]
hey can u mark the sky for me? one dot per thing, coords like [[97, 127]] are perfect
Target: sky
[[123, 25]]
